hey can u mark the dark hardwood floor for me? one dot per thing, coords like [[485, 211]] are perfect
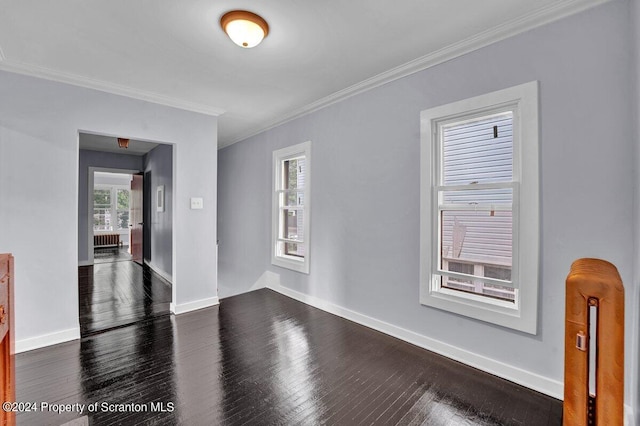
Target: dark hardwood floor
[[118, 293], [111, 254], [263, 359]]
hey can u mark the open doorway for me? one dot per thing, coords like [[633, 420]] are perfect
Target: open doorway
[[127, 274], [113, 218]]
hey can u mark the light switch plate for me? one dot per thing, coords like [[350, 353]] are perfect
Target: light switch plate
[[197, 203]]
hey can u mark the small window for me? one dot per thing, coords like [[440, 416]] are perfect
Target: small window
[[291, 183], [479, 207]]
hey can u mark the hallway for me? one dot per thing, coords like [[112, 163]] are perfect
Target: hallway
[[119, 293]]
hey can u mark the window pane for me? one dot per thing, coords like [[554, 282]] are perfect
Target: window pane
[[294, 172], [458, 283], [102, 197], [123, 199], [293, 224], [294, 199], [477, 236], [497, 272], [294, 249], [479, 150], [123, 219], [102, 219], [463, 268]]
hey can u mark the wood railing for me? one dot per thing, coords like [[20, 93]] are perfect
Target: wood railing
[[594, 311]]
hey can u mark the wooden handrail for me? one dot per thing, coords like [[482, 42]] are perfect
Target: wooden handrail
[[594, 283]]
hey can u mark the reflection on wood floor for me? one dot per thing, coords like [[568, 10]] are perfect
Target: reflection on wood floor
[[111, 254], [120, 293], [263, 359]]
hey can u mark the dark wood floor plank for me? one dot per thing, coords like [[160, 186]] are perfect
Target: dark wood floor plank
[[264, 359], [118, 293]]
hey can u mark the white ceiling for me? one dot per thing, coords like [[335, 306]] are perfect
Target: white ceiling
[[175, 53]]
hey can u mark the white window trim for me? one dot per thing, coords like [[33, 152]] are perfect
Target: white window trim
[[284, 261], [521, 315]]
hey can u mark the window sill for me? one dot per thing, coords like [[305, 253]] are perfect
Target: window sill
[[292, 263], [500, 312]]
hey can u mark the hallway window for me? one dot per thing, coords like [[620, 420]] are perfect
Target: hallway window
[[479, 207], [291, 183], [110, 208]]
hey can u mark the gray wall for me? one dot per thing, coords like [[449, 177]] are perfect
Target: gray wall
[[39, 125], [96, 159], [160, 163], [365, 197]]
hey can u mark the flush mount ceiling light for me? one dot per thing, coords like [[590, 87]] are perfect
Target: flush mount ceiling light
[[244, 28], [123, 143]]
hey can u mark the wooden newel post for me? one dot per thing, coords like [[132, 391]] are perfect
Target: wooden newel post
[[7, 339], [594, 283]]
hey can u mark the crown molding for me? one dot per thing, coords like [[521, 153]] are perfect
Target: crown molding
[[105, 86], [537, 18]]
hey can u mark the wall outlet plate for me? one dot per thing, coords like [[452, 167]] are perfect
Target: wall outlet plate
[[197, 203]]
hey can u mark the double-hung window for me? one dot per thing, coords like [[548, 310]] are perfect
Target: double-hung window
[[291, 185], [110, 208], [479, 207]]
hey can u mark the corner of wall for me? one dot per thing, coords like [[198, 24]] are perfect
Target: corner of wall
[[195, 305], [168, 277]]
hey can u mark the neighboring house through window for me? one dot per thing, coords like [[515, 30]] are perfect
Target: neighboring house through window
[[291, 185], [479, 207]]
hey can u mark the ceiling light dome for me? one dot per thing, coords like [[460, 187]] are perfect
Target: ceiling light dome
[[246, 29]]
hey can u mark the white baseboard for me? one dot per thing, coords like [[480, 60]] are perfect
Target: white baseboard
[[629, 418], [517, 375], [85, 263], [193, 306], [47, 340], [158, 271]]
